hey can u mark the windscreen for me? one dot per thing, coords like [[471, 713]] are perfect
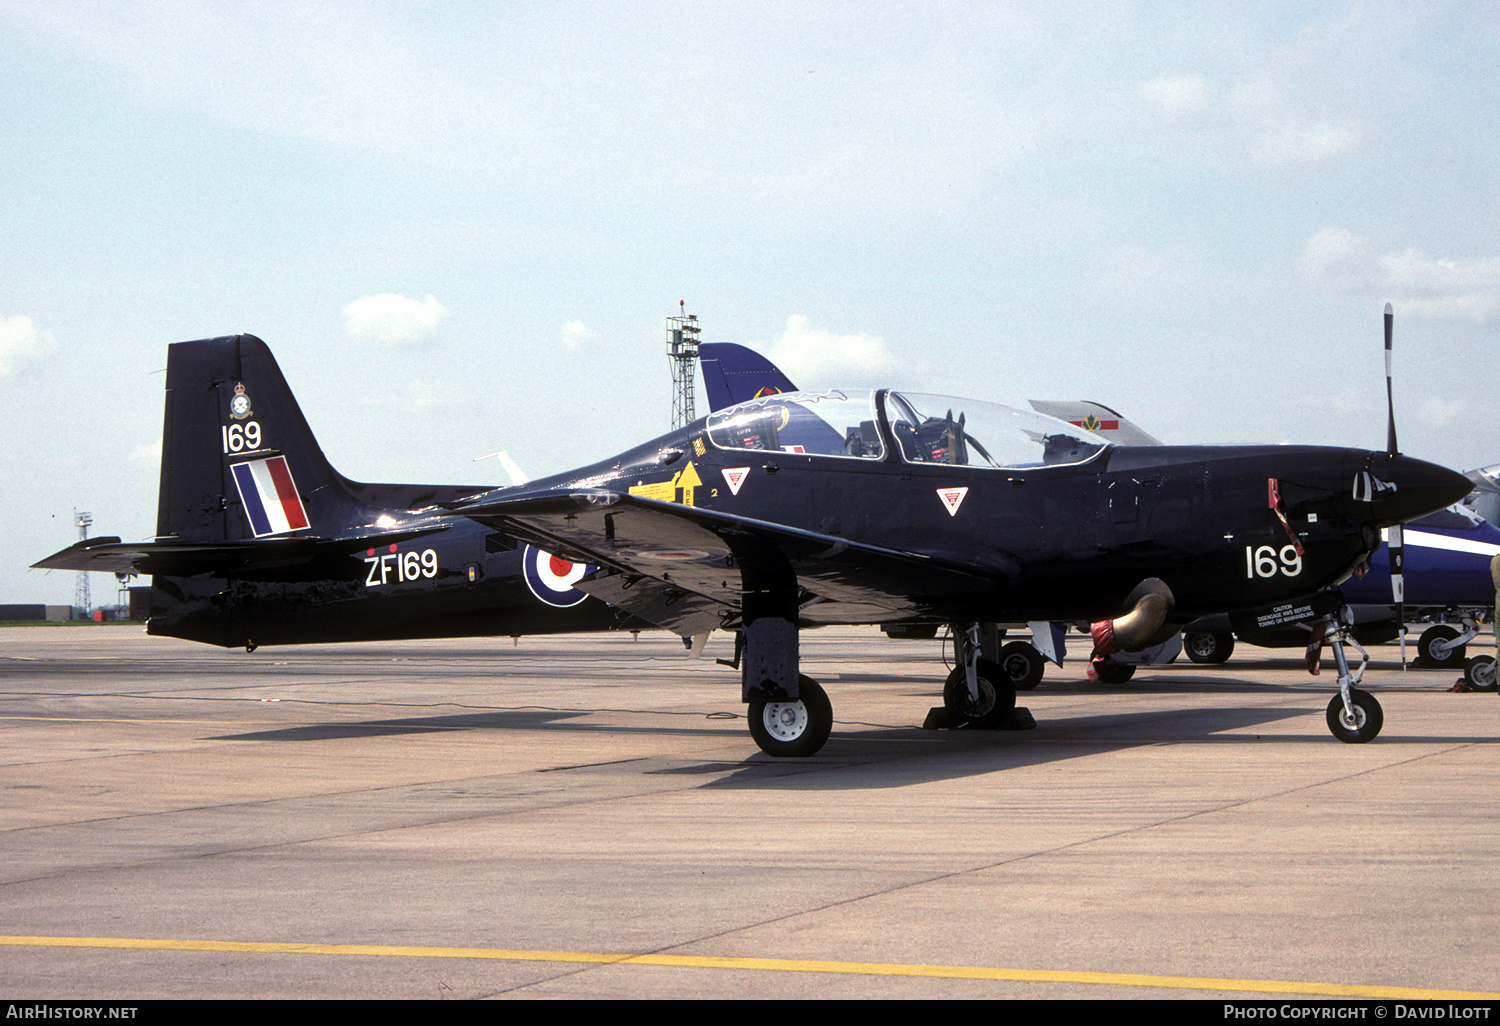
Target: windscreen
[[962, 432], [834, 423]]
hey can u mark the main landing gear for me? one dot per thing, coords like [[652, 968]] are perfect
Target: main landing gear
[[1354, 716], [979, 692], [990, 707], [792, 729], [790, 715]]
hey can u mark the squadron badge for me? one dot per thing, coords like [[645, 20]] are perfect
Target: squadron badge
[[239, 406]]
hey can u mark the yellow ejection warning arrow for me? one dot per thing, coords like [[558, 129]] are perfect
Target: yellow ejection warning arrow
[[679, 489]]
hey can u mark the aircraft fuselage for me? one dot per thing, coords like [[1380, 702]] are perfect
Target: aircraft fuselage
[[1056, 542]]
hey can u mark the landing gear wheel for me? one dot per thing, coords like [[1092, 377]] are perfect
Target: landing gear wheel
[[1022, 664], [792, 730], [1363, 725], [997, 699], [1480, 673], [1107, 671], [1203, 647], [1434, 647]]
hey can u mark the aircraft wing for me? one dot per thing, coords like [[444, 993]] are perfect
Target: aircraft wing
[[186, 559], [686, 568]]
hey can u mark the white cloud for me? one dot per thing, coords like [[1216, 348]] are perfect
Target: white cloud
[[1293, 143], [1433, 288], [393, 320], [1413, 269], [575, 335], [1440, 413], [1285, 131], [21, 342], [149, 454], [423, 397], [1334, 255], [1273, 114], [1176, 96], [805, 352]]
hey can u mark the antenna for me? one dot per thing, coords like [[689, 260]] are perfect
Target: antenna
[[682, 350]]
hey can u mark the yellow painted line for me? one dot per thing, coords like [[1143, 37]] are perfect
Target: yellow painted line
[[786, 965], [115, 719]]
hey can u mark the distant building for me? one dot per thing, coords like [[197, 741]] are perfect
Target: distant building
[[35, 612]]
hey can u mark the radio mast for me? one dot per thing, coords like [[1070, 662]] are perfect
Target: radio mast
[[682, 350]]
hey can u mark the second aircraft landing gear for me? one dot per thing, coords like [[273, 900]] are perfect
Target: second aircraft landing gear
[[1205, 647], [1479, 673], [1445, 647], [1023, 664]]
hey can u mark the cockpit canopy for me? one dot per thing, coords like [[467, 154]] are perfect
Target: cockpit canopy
[[921, 428]]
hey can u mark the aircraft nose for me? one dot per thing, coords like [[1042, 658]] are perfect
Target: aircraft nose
[[1400, 488]]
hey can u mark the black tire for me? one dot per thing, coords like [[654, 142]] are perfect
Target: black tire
[[1023, 664], [997, 699], [1367, 721], [1107, 671], [793, 730], [1479, 672], [1433, 648], [1203, 647]]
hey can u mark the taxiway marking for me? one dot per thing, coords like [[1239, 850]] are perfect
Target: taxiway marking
[[766, 964]]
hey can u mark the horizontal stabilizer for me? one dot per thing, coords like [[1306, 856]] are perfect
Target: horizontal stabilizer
[[173, 558]]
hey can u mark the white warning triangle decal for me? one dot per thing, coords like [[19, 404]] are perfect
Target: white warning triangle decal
[[736, 477], [952, 498]]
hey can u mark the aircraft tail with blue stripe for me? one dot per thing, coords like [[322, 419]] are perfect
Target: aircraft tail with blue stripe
[[734, 374]]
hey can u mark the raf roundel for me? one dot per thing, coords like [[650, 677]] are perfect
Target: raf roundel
[[551, 578]]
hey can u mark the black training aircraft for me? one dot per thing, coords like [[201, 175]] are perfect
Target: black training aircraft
[[789, 511]]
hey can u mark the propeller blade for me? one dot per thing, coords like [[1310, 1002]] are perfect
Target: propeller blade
[[1393, 539], [1398, 584], [1390, 402]]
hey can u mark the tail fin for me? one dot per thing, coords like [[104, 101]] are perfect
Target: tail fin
[[238, 460], [733, 374], [1096, 418]]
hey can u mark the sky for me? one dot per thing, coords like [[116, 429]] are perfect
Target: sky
[[461, 227]]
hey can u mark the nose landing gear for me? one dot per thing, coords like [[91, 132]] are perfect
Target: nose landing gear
[[1354, 716]]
